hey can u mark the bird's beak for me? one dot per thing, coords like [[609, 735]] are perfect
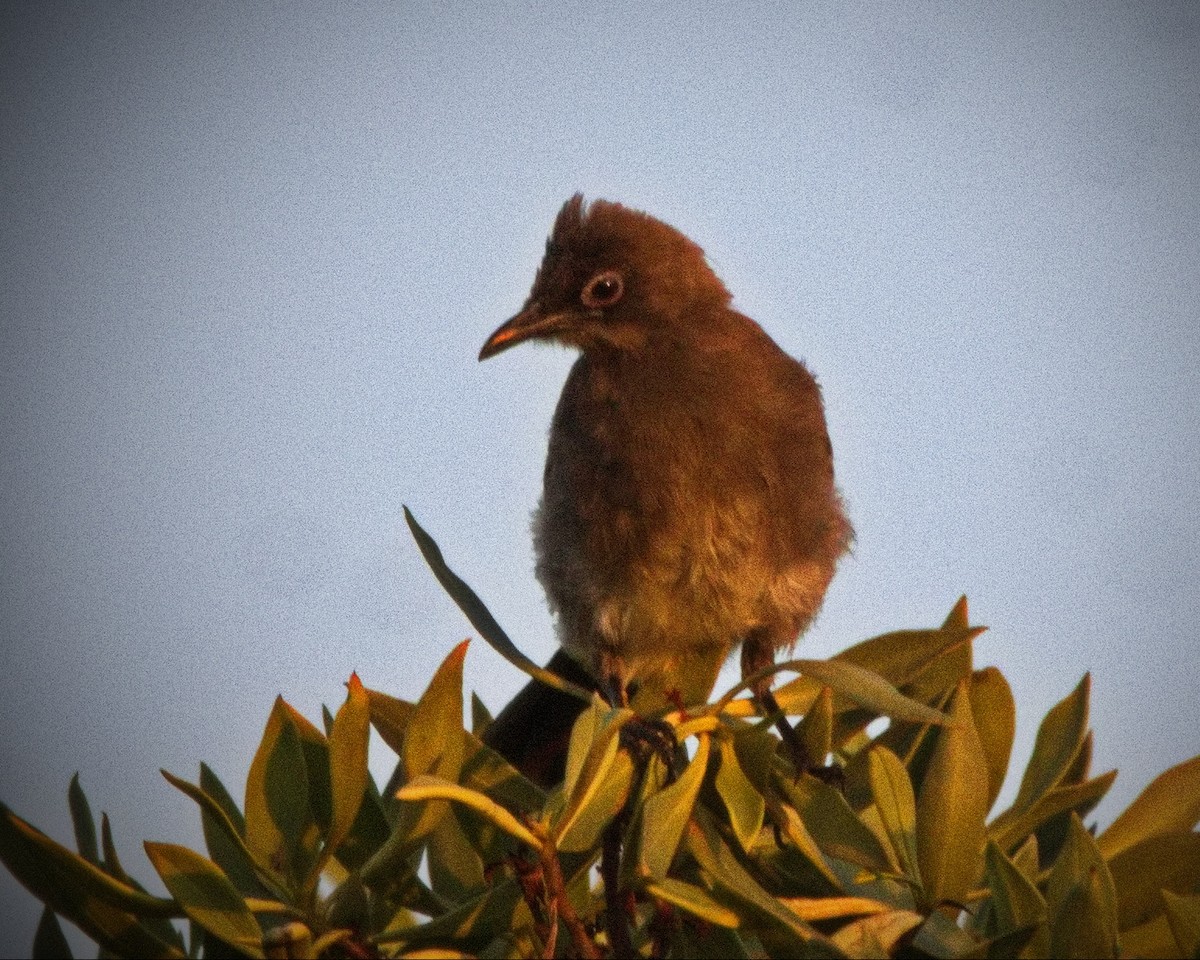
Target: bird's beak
[[532, 321]]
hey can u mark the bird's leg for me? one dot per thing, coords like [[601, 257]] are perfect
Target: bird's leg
[[758, 652]]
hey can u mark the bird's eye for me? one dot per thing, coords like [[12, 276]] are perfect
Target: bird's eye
[[603, 290]]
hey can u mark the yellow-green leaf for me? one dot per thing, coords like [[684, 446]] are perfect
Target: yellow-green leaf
[[666, 814], [348, 762], [875, 935], [995, 714], [1183, 913], [479, 615], [425, 787], [816, 729], [1059, 739], [277, 810], [1081, 898], [1016, 903], [206, 895], [1166, 861], [952, 806], [867, 689], [897, 807], [1013, 826], [743, 802], [693, 900], [1171, 802]]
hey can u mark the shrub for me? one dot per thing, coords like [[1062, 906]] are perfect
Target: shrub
[[724, 851]]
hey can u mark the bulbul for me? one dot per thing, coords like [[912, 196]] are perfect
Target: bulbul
[[688, 503]]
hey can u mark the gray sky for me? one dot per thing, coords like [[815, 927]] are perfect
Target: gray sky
[[251, 252]]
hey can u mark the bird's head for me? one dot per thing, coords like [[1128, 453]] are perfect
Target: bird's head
[[612, 278]]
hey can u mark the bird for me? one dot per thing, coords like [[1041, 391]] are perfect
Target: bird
[[689, 506]]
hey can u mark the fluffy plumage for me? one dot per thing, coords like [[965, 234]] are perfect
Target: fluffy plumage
[[689, 503]]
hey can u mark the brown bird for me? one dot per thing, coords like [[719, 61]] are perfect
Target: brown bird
[[689, 504]]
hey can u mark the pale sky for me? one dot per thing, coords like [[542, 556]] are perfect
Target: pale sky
[[251, 252]]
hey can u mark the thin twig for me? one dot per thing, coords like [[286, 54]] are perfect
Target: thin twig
[[560, 904]]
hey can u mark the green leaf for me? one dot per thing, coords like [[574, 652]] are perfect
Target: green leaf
[[1016, 903], [227, 838], [206, 895], [455, 869], [837, 830], [722, 869], [1183, 913], [897, 806], [816, 729], [1082, 899], [85, 825], [693, 900], [1012, 827], [438, 719], [390, 717], [877, 934], [867, 689], [952, 806], [48, 941], [277, 808], [1166, 861], [597, 799], [481, 716], [224, 831], [995, 714], [101, 906], [348, 739], [1059, 739], [1170, 803], [425, 787], [743, 802], [666, 814], [479, 615]]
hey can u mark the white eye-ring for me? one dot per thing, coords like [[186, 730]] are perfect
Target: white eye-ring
[[603, 290]]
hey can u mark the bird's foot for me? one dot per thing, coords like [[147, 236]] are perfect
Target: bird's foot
[[649, 738]]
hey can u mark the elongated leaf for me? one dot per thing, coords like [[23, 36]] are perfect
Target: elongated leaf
[[1059, 739], [1183, 913], [97, 903], [597, 800], [897, 806], [1171, 802], [456, 871], [224, 831], [1011, 828], [743, 802], [1166, 861], [84, 823], [694, 900], [348, 762], [437, 748], [1016, 903], [722, 869], [207, 896], [277, 809], [952, 806], [234, 849], [875, 935], [666, 814], [479, 615], [816, 729], [1082, 899], [49, 943], [427, 787], [867, 689], [837, 830], [995, 714], [833, 908]]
